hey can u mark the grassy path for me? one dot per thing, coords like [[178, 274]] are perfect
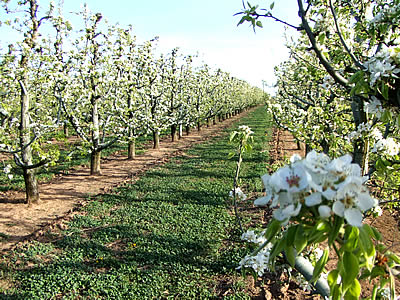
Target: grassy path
[[64, 193], [168, 235]]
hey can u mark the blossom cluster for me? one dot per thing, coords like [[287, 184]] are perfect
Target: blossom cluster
[[246, 130], [362, 129], [320, 186], [389, 146], [239, 193], [381, 65], [258, 262], [374, 107], [388, 13], [7, 170]]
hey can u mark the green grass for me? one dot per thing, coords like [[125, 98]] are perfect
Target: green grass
[[169, 235]]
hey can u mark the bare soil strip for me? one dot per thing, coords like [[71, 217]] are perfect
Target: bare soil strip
[[63, 194]]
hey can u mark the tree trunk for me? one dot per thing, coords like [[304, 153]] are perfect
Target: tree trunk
[[174, 133], [198, 126], [31, 185], [214, 120], [325, 146], [95, 157], [298, 145], [156, 140], [131, 149], [360, 151], [187, 129], [208, 122], [180, 131], [131, 132], [65, 127]]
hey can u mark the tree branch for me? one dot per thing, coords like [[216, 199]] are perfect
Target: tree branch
[[358, 64], [335, 75], [20, 164]]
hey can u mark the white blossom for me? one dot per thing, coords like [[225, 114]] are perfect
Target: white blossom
[[374, 106], [324, 211], [238, 192], [332, 186], [251, 237], [389, 146], [259, 262], [381, 65]]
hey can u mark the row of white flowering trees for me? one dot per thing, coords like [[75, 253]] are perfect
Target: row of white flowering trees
[[339, 92], [101, 82]]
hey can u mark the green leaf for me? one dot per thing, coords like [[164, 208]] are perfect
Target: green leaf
[[272, 229], [277, 249], [393, 257], [337, 225], [386, 116], [350, 269], [259, 24], [385, 90], [333, 277], [319, 266], [321, 38], [356, 77], [290, 254], [248, 148], [336, 292], [317, 237], [377, 234], [290, 235], [300, 240], [398, 122], [367, 247], [374, 292], [378, 271], [241, 21], [271, 7], [354, 291], [351, 238], [231, 154]]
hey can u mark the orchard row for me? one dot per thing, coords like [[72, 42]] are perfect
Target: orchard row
[[102, 83]]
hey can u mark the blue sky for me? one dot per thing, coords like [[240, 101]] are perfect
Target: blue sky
[[206, 27]]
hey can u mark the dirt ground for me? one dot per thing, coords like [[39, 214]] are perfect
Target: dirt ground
[[62, 195]]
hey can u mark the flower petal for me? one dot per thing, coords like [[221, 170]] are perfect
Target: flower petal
[[338, 208], [313, 199], [263, 201], [365, 201], [324, 211], [353, 216]]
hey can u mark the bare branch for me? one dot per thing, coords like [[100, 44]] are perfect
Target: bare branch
[[20, 164], [269, 15]]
